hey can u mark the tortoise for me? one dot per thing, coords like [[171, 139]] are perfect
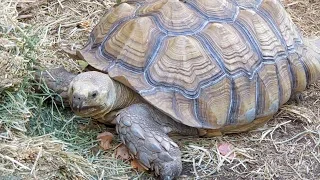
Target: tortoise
[[193, 67]]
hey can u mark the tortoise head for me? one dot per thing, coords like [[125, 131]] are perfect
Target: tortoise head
[[91, 94]]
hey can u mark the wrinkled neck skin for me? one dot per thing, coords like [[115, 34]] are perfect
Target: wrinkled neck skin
[[120, 96], [124, 96]]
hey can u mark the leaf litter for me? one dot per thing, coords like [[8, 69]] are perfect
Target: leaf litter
[[105, 139]]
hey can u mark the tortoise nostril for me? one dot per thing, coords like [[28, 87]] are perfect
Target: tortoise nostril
[[77, 97]]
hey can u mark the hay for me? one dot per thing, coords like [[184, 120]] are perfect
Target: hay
[[306, 15], [39, 140], [44, 157], [76, 152], [12, 64]]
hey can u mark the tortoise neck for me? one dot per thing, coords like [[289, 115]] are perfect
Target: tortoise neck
[[124, 96]]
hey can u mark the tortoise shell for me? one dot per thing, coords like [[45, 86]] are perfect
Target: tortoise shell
[[206, 63]]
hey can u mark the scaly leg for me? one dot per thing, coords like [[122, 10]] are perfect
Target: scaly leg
[[143, 129]]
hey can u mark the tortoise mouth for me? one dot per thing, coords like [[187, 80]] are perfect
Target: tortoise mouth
[[84, 110]]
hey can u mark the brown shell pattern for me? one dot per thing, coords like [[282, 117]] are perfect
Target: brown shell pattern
[[206, 63]]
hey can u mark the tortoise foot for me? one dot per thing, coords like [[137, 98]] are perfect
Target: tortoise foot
[[57, 80], [144, 136]]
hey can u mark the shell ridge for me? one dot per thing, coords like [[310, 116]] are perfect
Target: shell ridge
[[277, 32], [112, 30], [294, 77], [193, 31], [152, 58], [169, 33], [146, 73], [109, 35], [260, 103], [90, 41], [255, 71], [240, 103], [116, 25], [305, 67], [116, 61], [268, 18], [256, 100], [236, 14], [278, 55], [251, 6], [205, 123], [194, 94], [231, 105], [253, 42], [185, 32], [258, 96], [231, 118], [291, 75], [172, 89], [185, 93], [212, 52], [197, 113], [279, 86], [192, 5], [122, 63], [259, 3], [155, 20], [106, 57]]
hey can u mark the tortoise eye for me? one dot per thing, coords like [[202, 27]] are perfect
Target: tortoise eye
[[94, 94]]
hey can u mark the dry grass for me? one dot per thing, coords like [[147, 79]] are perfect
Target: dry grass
[[39, 140], [305, 14]]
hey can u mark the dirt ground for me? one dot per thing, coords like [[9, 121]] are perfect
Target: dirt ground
[[39, 140]]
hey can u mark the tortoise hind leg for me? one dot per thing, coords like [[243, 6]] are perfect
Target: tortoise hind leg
[[143, 130], [58, 80], [297, 97]]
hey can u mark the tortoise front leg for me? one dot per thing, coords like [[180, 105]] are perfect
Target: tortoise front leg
[[58, 80], [144, 130]]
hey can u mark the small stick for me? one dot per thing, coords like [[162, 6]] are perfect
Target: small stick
[[59, 1], [15, 161], [36, 161], [294, 170]]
